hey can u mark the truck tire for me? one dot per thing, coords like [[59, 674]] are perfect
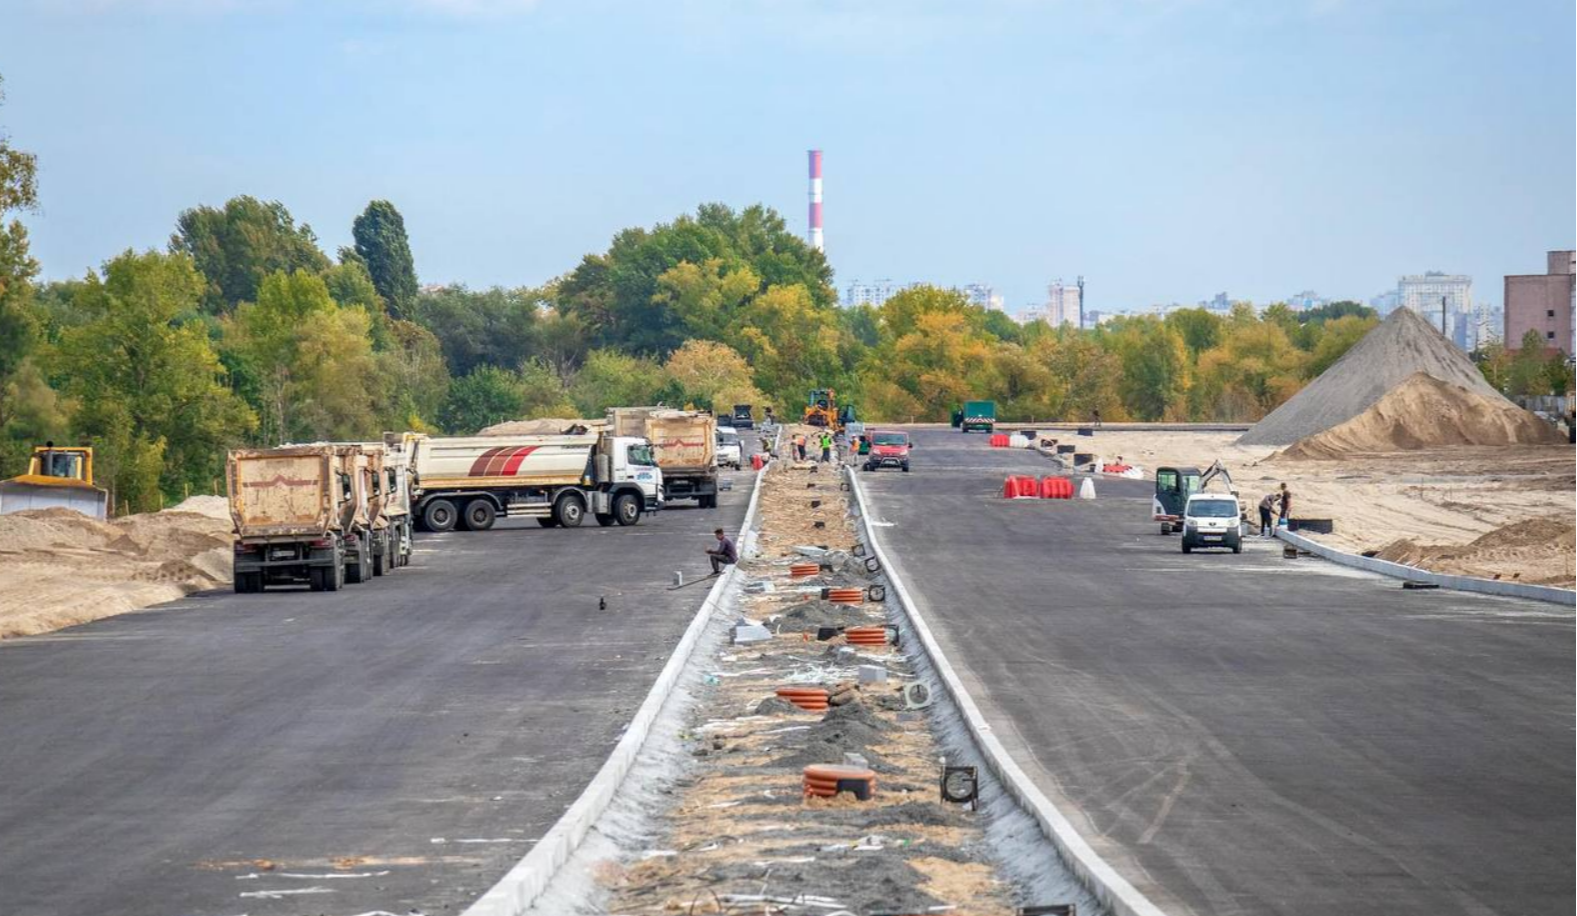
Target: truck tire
[[247, 583], [356, 571], [378, 560], [626, 509], [569, 511], [604, 519], [478, 515], [548, 522], [707, 502], [440, 515], [315, 578]]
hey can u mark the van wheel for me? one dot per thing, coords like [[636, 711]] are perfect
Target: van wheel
[[605, 519], [626, 509], [478, 515], [569, 510], [1187, 547], [440, 515]]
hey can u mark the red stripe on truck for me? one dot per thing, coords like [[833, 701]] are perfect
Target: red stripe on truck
[[479, 466], [519, 455]]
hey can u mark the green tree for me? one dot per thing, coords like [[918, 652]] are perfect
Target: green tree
[[236, 246], [414, 379], [382, 244], [496, 327], [609, 378], [1529, 373], [1200, 328], [149, 386], [1155, 367], [1336, 337], [713, 376], [490, 395]]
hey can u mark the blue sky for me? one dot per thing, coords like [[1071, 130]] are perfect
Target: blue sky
[[1165, 149]]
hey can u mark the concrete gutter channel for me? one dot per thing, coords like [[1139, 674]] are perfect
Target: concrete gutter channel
[[1027, 847]]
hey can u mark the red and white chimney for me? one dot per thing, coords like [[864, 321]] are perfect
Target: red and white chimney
[[816, 241]]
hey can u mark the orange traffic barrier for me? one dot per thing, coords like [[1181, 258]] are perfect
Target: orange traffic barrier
[[845, 595], [824, 780], [999, 440], [1019, 486], [1056, 488], [803, 570]]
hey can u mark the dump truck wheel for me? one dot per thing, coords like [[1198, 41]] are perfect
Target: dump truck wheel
[[626, 509], [377, 562], [315, 578], [708, 502], [478, 515], [569, 510], [605, 519], [440, 515]]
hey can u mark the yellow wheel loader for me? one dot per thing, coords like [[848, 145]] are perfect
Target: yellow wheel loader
[[57, 477]]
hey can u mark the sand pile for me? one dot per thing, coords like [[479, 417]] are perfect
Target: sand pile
[[63, 568], [1403, 345], [546, 426], [1424, 412], [1551, 539]]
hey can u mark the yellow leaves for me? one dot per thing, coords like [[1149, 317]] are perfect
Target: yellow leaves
[[712, 374]]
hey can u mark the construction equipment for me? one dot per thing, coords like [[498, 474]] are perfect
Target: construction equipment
[[1173, 486], [295, 510], [821, 409], [58, 477], [685, 443], [557, 480]]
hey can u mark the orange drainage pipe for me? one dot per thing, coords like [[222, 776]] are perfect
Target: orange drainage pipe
[[825, 780], [811, 698], [804, 570], [866, 636], [845, 595]]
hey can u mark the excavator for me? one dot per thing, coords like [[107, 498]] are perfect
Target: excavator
[[1173, 486], [822, 409], [57, 476]]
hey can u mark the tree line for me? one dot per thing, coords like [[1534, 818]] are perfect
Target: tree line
[[242, 330]]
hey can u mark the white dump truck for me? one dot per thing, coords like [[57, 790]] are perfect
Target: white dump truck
[[399, 467], [295, 511], [685, 442], [470, 481]]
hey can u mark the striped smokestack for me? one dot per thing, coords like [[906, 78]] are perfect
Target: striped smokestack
[[815, 201]]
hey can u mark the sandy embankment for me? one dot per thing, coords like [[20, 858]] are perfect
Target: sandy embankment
[[59, 568], [1444, 498]]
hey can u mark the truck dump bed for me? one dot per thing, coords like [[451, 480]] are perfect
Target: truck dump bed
[[284, 491], [685, 440], [467, 462]]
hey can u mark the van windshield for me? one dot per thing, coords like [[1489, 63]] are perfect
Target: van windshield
[[1213, 508], [890, 439], [728, 438]]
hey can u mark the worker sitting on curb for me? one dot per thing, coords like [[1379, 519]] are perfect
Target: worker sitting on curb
[[725, 554]]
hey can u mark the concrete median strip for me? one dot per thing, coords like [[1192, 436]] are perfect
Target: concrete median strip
[[1113, 891], [523, 884], [1546, 593]]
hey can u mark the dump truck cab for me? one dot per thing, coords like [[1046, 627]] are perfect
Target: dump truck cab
[[57, 477]]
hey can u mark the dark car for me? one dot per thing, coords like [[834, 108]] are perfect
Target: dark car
[[889, 449]]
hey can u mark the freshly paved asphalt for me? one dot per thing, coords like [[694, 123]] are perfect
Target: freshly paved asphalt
[[419, 732], [1247, 734]]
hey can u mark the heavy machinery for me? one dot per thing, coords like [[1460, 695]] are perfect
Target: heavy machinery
[[57, 477], [1173, 486], [295, 509], [685, 444], [469, 481], [821, 409]]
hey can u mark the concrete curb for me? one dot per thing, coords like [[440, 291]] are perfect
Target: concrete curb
[[1109, 887], [529, 878], [1546, 593]]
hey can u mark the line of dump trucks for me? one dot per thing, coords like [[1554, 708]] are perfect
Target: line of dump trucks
[[331, 513]]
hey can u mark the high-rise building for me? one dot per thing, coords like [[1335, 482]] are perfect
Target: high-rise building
[[1429, 293], [1062, 303], [873, 293], [1308, 299], [983, 295], [1543, 303], [1032, 313], [1386, 302]]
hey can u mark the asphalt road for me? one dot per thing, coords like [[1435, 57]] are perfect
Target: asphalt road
[[392, 747], [1247, 734]]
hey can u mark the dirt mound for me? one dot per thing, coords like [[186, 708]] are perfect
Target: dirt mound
[[1404, 344], [1425, 412], [546, 426], [63, 568], [1539, 551], [809, 616]]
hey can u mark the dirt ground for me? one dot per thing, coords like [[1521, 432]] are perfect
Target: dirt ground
[[59, 568], [741, 836], [1437, 500]]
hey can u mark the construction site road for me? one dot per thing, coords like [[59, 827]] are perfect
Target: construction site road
[[393, 747], [1246, 734]]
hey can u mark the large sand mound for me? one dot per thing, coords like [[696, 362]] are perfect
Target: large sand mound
[[1404, 344], [62, 568], [546, 426], [1424, 412]]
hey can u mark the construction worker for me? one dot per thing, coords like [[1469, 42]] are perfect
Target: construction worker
[[1267, 508], [799, 446], [826, 447], [724, 554], [1286, 505]]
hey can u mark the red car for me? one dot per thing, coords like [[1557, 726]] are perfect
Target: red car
[[889, 449]]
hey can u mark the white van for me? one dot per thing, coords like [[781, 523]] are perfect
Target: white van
[[729, 452], [1212, 520]]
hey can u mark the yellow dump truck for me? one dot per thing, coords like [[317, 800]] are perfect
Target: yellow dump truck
[[685, 442], [296, 511], [57, 477]]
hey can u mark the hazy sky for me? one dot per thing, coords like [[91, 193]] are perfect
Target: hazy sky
[[1166, 149]]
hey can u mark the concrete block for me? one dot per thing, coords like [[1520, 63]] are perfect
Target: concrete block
[[751, 632], [872, 674]]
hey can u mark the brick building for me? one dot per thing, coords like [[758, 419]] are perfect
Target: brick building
[[1543, 303]]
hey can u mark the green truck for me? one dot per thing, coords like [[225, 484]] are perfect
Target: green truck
[[981, 415]]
